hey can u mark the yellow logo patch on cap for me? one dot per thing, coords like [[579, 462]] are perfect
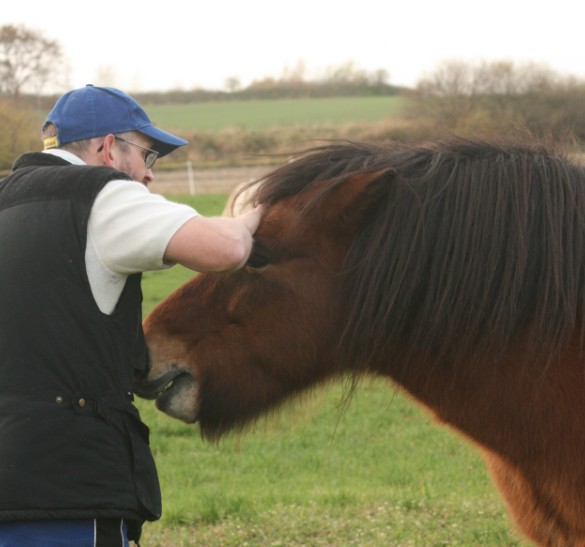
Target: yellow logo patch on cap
[[51, 142]]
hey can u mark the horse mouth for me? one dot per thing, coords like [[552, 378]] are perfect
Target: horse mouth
[[175, 394], [173, 384], [151, 389]]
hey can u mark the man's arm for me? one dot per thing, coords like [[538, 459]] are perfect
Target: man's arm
[[213, 244]]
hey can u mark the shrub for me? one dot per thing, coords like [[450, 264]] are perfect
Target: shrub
[[20, 131]]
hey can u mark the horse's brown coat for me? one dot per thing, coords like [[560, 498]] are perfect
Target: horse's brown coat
[[456, 269]]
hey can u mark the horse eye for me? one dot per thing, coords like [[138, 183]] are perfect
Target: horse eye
[[257, 260], [259, 257]]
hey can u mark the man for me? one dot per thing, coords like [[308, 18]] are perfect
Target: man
[[77, 228]]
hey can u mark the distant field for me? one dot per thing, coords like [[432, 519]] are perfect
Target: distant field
[[264, 114]]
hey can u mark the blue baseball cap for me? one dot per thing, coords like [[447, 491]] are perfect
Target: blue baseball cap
[[93, 111]]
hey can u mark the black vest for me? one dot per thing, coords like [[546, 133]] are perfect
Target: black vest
[[72, 444]]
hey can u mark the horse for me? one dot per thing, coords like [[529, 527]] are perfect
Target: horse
[[455, 268]]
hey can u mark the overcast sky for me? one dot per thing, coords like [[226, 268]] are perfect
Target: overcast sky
[[185, 44]]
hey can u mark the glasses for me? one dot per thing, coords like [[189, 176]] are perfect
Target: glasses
[[149, 158]]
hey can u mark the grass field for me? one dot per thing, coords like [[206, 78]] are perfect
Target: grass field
[[375, 471], [265, 114]]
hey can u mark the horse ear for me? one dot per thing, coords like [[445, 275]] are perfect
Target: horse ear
[[360, 192]]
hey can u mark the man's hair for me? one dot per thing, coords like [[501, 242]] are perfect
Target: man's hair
[[78, 147]]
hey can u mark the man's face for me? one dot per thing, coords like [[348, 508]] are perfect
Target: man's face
[[131, 158]]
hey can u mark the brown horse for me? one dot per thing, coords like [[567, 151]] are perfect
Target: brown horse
[[457, 269]]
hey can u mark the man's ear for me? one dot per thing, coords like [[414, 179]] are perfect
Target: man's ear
[[109, 151]]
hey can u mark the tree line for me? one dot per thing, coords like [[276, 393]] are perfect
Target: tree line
[[500, 98], [457, 98]]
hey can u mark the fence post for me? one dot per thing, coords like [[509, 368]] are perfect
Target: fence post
[[190, 178]]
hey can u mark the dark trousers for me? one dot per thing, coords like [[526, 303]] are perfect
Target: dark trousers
[[64, 533]]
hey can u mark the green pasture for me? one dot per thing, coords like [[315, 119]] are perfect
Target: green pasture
[[368, 469], [266, 114]]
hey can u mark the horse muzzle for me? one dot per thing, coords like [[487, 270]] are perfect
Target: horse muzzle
[[175, 392]]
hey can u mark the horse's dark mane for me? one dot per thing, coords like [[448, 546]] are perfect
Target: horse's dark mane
[[473, 245]]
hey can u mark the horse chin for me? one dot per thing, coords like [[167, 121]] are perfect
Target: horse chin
[[179, 398]]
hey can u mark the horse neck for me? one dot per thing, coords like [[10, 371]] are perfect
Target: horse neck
[[498, 404]]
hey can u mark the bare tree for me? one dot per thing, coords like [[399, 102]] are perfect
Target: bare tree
[[296, 74], [380, 77], [232, 84], [457, 78], [493, 97], [348, 72], [27, 60]]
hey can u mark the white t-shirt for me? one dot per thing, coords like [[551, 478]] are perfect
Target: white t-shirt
[[128, 232]]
